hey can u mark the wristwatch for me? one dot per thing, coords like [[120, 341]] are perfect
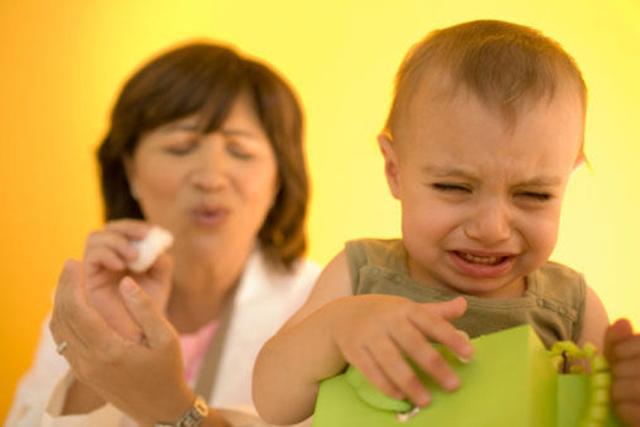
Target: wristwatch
[[192, 418]]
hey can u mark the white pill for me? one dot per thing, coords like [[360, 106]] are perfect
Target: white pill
[[155, 242]]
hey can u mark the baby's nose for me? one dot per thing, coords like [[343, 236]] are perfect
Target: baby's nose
[[490, 225]]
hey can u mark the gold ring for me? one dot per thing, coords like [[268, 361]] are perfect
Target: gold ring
[[61, 347]]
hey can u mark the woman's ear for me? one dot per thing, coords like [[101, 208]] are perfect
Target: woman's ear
[[129, 170], [276, 193], [390, 164]]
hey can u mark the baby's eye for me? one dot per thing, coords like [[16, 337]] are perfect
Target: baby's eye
[[538, 197], [446, 187]]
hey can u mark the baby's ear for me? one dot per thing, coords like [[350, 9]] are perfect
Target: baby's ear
[[390, 163]]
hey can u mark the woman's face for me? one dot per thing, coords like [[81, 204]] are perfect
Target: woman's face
[[212, 191]]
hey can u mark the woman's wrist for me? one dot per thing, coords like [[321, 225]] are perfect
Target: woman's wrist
[[81, 399], [215, 419], [195, 416], [170, 411]]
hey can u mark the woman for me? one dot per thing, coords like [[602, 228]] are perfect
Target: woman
[[208, 145]]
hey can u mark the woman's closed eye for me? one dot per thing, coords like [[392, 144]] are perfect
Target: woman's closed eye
[[182, 148], [180, 142], [239, 150]]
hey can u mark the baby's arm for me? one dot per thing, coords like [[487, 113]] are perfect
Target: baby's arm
[[622, 349], [372, 332], [595, 321], [291, 362]]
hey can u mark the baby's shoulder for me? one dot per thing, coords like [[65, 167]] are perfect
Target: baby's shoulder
[[558, 275], [558, 285], [370, 251]]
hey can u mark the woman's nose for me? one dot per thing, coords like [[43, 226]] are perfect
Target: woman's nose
[[211, 167], [489, 225]]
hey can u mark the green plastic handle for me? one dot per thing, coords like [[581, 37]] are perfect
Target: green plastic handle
[[371, 395]]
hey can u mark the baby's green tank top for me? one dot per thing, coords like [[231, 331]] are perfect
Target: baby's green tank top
[[553, 302]]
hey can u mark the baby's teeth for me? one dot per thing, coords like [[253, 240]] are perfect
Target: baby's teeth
[[480, 259]]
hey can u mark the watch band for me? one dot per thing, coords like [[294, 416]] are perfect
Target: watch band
[[192, 418]]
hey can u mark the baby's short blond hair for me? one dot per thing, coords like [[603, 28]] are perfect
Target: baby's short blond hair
[[506, 65]]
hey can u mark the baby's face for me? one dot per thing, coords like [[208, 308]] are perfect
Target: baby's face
[[481, 200]]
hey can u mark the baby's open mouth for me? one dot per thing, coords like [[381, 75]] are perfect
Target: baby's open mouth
[[481, 259]]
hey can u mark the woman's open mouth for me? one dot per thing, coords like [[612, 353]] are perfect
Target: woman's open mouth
[[209, 217]]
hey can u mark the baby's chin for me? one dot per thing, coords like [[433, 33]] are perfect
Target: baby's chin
[[452, 278], [489, 288]]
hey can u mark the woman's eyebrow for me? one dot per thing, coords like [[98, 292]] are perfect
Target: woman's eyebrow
[[238, 132], [190, 125]]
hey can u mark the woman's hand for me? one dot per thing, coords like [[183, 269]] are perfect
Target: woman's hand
[[143, 379], [107, 254], [382, 331], [622, 348]]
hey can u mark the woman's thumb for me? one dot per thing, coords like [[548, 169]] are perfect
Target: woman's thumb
[[143, 310]]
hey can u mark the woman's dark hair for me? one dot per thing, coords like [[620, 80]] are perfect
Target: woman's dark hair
[[206, 78]]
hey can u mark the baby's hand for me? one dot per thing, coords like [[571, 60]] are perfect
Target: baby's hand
[[383, 330], [622, 349]]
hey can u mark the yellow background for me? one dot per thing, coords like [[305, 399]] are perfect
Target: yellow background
[[62, 61]]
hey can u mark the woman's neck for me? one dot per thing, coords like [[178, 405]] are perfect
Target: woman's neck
[[201, 289]]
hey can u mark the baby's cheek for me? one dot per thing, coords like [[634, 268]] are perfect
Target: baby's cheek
[[542, 231]]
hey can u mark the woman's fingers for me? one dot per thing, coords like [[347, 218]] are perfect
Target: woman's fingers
[[616, 333], [629, 368], [627, 349], [103, 258], [117, 245], [162, 267], [131, 375], [156, 329], [114, 248], [74, 318], [626, 389], [160, 286], [117, 237], [622, 349], [630, 413], [130, 228]]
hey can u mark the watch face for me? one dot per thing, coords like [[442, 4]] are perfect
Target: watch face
[[201, 407], [193, 417], [196, 414]]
